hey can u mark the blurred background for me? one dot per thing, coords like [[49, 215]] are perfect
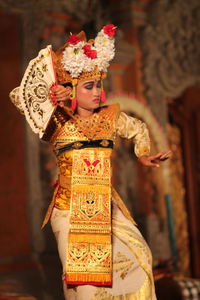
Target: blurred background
[[155, 76]]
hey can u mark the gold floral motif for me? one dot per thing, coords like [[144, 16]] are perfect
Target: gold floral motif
[[122, 264], [92, 258], [65, 164], [77, 145], [104, 143], [144, 293], [100, 124], [62, 198]]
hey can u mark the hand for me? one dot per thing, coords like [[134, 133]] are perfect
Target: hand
[[154, 160], [59, 94]]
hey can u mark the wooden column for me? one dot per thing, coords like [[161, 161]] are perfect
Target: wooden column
[[14, 238]]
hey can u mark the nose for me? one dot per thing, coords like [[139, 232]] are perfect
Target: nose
[[96, 90]]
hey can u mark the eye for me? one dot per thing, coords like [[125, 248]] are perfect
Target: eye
[[99, 84], [89, 86]]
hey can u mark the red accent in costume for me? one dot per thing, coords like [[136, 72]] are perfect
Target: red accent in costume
[[109, 30], [103, 96], [89, 52], [95, 162], [73, 106], [55, 184], [52, 96], [89, 164], [109, 283], [73, 39]]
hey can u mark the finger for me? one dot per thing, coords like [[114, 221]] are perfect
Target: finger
[[167, 152], [160, 155], [53, 98], [152, 157], [163, 159], [62, 98], [60, 94], [60, 91], [53, 88], [58, 87], [63, 95], [153, 164], [155, 161], [166, 155], [150, 163]]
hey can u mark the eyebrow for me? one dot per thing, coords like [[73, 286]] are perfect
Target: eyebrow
[[89, 82]]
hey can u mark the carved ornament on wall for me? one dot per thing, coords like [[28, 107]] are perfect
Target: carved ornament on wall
[[170, 44]]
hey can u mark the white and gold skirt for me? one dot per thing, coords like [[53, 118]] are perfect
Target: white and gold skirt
[[132, 261]]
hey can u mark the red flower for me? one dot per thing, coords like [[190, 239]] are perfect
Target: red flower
[[89, 52], [73, 39], [109, 30], [93, 54], [86, 48]]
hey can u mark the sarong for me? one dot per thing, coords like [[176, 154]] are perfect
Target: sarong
[[132, 261]]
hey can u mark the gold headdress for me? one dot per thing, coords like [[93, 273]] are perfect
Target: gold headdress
[[82, 60]]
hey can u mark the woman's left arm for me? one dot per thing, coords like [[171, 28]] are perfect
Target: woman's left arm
[[129, 127]]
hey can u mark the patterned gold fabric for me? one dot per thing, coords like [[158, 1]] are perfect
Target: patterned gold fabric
[[89, 257], [129, 127], [72, 131]]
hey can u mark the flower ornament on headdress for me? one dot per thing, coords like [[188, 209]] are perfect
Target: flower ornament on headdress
[[81, 56], [81, 60]]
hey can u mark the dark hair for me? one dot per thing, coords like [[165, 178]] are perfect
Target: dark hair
[[67, 84]]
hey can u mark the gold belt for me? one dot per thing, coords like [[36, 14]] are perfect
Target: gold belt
[[62, 197]]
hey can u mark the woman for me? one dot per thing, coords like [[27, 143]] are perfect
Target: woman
[[103, 254]]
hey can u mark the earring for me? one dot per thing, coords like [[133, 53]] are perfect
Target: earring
[[73, 96], [103, 94], [73, 104]]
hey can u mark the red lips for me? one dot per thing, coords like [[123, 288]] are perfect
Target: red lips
[[97, 100]]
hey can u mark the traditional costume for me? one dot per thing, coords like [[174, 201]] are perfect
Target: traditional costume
[[103, 253]]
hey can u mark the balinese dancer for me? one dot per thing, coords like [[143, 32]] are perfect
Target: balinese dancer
[[102, 252]]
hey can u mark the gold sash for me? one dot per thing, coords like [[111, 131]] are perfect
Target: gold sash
[[89, 254]]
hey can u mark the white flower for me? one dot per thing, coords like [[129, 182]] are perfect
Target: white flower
[[75, 61]]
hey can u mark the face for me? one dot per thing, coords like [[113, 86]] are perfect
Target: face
[[88, 94]]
